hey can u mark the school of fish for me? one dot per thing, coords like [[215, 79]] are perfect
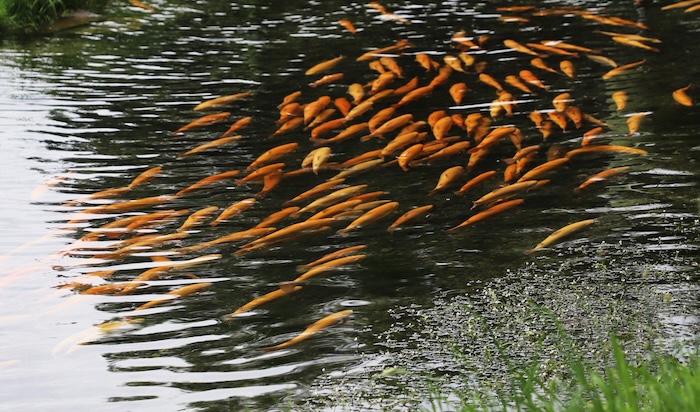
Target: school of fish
[[448, 120]]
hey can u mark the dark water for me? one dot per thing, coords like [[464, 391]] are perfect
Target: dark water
[[93, 107]]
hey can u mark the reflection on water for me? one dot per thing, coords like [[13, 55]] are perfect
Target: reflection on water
[[92, 108]]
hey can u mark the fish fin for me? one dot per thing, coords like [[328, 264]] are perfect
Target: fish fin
[[287, 287]]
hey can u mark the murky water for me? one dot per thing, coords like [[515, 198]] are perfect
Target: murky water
[[91, 108]]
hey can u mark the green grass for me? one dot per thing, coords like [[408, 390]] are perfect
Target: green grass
[[28, 16], [657, 383]]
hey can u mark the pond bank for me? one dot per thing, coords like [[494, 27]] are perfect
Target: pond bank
[[541, 320], [33, 17]]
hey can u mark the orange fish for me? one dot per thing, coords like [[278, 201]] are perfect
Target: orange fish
[[442, 127], [515, 82], [390, 64], [426, 62], [330, 199], [313, 329], [543, 169], [203, 121], [485, 78], [315, 107], [197, 217], [316, 190], [288, 126], [291, 97], [329, 78], [504, 192], [327, 127], [261, 300], [331, 256], [540, 64], [317, 269], [493, 210], [620, 99], [324, 66], [357, 91], [254, 232], [407, 156], [409, 86], [222, 101], [605, 149], [512, 44], [259, 174], [349, 132], [176, 293], [343, 105], [634, 43], [141, 5], [207, 181], [210, 145], [382, 82], [390, 125], [568, 68], [457, 92], [402, 141], [130, 204], [475, 182], [412, 214], [270, 181], [359, 168], [681, 97], [561, 233], [633, 122], [599, 177], [529, 77], [413, 95], [321, 117], [234, 210], [620, 69], [447, 178], [370, 216], [347, 24]]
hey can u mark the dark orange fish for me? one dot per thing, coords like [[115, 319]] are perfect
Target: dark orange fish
[[261, 300], [447, 177], [329, 78], [412, 214], [347, 24], [472, 183], [234, 210], [599, 177], [324, 66], [543, 169], [207, 181], [493, 210], [313, 329], [210, 145], [222, 101], [204, 121], [272, 155], [621, 69]]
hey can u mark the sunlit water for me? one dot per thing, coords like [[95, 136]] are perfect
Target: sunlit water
[[89, 109]]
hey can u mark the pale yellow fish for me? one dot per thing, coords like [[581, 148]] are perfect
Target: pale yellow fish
[[561, 233], [313, 329]]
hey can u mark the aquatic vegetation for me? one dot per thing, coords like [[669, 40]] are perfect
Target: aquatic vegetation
[[27, 16]]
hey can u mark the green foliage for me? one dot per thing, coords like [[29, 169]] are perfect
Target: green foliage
[[28, 16], [658, 383]]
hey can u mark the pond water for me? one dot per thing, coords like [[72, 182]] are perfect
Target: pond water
[[89, 109]]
